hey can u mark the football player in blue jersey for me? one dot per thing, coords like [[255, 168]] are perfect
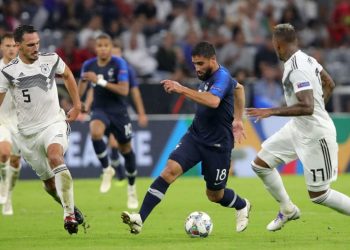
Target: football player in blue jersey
[[142, 118], [209, 139], [109, 77]]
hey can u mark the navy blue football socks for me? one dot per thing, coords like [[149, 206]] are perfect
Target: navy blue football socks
[[101, 152], [154, 195], [130, 167], [115, 162], [231, 199]]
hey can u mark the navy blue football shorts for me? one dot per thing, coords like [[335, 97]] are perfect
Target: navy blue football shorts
[[215, 161], [117, 124]]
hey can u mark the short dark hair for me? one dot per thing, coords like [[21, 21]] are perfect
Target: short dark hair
[[21, 30], [285, 32], [117, 44], [104, 36], [204, 49], [6, 35]]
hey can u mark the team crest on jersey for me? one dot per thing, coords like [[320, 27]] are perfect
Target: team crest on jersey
[[45, 69], [206, 86], [110, 72]]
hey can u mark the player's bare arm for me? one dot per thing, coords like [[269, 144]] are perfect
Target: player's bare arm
[[140, 109], [2, 97], [239, 104], [82, 85], [203, 98], [327, 85], [69, 82], [122, 88], [304, 106]]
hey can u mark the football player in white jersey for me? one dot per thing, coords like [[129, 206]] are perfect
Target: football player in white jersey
[[9, 152], [310, 135], [43, 130]]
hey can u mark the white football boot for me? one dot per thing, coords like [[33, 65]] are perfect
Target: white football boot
[[132, 203], [133, 221], [107, 177], [283, 218], [7, 207], [242, 217]]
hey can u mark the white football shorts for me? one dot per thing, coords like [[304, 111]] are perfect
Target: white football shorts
[[34, 147], [319, 156]]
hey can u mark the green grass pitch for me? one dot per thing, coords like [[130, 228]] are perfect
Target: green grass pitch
[[37, 223]]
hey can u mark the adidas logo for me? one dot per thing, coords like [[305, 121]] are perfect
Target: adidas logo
[[21, 74]]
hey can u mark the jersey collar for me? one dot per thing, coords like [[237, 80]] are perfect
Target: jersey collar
[[290, 58]]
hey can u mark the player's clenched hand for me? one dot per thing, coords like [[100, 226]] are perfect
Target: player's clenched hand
[[72, 114], [171, 86], [89, 76], [258, 113], [238, 131]]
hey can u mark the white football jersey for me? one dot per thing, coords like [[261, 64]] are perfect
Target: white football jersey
[[34, 91], [302, 72], [8, 116]]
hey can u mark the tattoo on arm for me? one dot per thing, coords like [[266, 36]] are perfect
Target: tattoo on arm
[[327, 85], [304, 106]]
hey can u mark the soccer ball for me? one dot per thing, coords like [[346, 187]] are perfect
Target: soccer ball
[[198, 225]]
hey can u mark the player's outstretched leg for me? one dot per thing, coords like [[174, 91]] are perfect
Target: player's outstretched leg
[[152, 198], [334, 200], [64, 189], [79, 216], [273, 183]]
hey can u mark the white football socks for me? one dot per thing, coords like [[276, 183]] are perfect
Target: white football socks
[[64, 187], [273, 183], [12, 176], [335, 200]]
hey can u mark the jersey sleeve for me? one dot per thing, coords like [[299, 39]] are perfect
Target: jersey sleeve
[[84, 68], [300, 81], [4, 83], [122, 74], [60, 66], [221, 85], [133, 82]]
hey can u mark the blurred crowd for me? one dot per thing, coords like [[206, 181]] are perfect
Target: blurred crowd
[[157, 36]]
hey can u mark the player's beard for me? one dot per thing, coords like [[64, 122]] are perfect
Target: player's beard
[[205, 76]]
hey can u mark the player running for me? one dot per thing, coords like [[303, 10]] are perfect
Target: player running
[[10, 160], [310, 135], [109, 77], [42, 126], [209, 139]]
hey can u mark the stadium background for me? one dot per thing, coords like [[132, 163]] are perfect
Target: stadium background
[[157, 37]]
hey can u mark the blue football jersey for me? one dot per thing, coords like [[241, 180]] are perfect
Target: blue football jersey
[[213, 126], [114, 72]]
